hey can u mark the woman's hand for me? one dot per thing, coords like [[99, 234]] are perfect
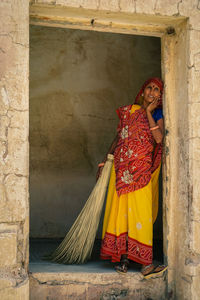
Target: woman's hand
[[157, 127], [99, 171], [152, 105], [110, 151]]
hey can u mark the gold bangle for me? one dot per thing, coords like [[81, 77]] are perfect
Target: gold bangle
[[101, 164], [153, 128]]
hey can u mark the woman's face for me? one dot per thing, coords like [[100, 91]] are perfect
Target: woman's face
[[151, 92]]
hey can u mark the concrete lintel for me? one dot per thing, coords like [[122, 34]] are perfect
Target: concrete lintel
[[79, 18]]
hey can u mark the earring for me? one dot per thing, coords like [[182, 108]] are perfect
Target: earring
[[142, 94]]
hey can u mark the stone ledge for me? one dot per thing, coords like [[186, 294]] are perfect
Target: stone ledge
[[8, 291], [95, 280]]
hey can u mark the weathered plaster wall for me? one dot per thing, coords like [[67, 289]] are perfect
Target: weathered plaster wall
[[14, 216], [77, 80]]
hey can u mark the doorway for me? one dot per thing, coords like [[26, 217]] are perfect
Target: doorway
[[77, 81], [174, 46]]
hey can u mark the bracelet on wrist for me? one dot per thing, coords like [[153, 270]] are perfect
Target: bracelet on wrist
[[153, 128], [101, 164]]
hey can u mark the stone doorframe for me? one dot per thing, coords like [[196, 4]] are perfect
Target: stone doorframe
[[180, 38], [173, 34]]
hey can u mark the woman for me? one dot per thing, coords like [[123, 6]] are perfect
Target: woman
[[132, 200]]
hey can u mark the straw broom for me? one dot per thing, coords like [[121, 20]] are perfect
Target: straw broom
[[76, 248]]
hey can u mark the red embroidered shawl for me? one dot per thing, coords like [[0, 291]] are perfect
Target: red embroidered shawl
[[137, 155]]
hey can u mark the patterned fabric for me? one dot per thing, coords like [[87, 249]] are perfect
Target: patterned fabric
[[113, 247], [132, 199], [133, 154], [128, 222]]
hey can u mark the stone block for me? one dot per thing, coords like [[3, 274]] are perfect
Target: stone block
[[194, 20], [194, 45], [16, 157], [14, 45], [3, 151], [4, 284], [194, 178], [45, 1], [167, 8], [197, 62], [6, 227], [18, 99], [194, 127], [195, 209], [127, 6], [17, 195], [4, 207], [192, 264], [19, 120], [184, 284], [112, 5], [194, 163], [195, 153], [8, 245], [20, 292], [11, 97], [14, 198], [72, 3], [193, 85], [6, 59], [146, 7], [189, 9], [4, 122], [90, 4], [4, 100], [195, 289], [195, 240]]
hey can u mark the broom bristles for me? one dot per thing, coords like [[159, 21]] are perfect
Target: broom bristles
[[76, 247]]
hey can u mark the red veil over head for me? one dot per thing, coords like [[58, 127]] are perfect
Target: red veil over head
[[158, 82]]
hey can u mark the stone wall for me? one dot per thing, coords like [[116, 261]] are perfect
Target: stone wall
[[14, 111], [77, 80]]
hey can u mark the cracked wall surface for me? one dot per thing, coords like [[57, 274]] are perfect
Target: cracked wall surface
[[14, 220], [183, 125]]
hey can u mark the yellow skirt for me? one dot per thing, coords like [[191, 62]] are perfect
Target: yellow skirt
[[128, 222]]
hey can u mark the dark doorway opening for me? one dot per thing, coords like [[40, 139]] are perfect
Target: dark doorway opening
[[77, 80]]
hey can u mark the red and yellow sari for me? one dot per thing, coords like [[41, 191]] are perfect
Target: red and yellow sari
[[132, 200]]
